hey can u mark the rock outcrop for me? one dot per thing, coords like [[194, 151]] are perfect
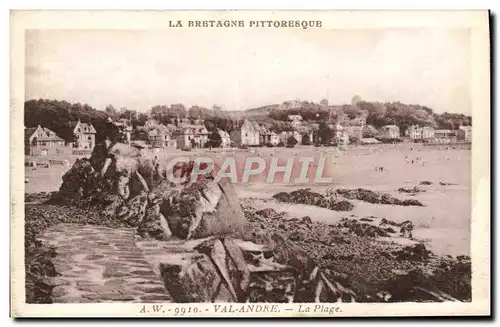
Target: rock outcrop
[[224, 266], [118, 181], [375, 197], [306, 196], [232, 270]]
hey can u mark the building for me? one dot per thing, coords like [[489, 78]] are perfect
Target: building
[[284, 136], [84, 135], [464, 133], [416, 132], [151, 123], [268, 137], [159, 136], [125, 127], [444, 134], [185, 138], [354, 127], [389, 132], [200, 135], [225, 138], [340, 135], [248, 134], [295, 120], [42, 141]]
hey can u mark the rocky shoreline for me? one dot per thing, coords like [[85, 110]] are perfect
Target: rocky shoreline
[[375, 270], [242, 253]]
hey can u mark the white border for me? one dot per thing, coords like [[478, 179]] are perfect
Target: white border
[[479, 159]]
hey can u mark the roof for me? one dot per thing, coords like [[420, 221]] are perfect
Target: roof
[[464, 128], [370, 141], [48, 135], [85, 127], [390, 126], [264, 130], [51, 138], [222, 133], [158, 130], [354, 122], [337, 127], [29, 131], [252, 125], [199, 129]]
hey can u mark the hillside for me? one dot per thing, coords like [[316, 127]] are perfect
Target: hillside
[[378, 114], [57, 115]]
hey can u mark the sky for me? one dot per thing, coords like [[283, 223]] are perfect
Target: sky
[[247, 68]]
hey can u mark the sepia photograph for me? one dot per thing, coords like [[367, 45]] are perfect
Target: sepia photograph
[[221, 163]]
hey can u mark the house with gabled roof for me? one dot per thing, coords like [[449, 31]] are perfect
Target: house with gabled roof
[[268, 137], [225, 138], [84, 135], [42, 141], [247, 134], [464, 133]]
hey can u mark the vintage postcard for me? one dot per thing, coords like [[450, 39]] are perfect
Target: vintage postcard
[[250, 163]]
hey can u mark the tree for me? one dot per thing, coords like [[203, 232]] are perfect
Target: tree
[[354, 140], [369, 131], [110, 110], [324, 133], [324, 102], [214, 139], [291, 142], [355, 100], [217, 110], [305, 140]]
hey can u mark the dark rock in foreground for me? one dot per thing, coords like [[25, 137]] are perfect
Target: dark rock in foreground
[[134, 190]]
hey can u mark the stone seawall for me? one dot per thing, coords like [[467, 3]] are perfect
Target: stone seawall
[[100, 264]]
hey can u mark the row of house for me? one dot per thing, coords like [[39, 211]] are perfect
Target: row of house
[[427, 133], [193, 134], [183, 134], [42, 141]]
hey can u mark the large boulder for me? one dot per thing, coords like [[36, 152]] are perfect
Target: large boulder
[[228, 270], [134, 189], [191, 277]]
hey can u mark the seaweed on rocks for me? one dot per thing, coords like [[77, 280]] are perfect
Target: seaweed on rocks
[[306, 196], [268, 212], [375, 197], [417, 252], [342, 206], [303, 196], [376, 270], [362, 229], [413, 190]]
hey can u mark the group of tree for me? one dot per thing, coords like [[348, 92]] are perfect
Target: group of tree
[[167, 114], [377, 114], [214, 140], [60, 116]]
